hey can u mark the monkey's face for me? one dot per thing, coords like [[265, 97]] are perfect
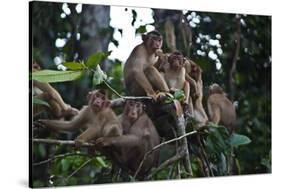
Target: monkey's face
[[133, 110], [176, 61], [98, 101], [152, 41]]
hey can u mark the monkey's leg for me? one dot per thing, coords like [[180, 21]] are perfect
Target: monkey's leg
[[156, 79]]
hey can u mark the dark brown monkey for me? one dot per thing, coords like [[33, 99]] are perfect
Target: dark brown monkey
[[220, 108], [46, 92], [194, 71], [141, 77], [139, 136], [97, 118]]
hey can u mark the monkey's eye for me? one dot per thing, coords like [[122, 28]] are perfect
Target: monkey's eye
[[137, 105], [103, 97], [98, 95]]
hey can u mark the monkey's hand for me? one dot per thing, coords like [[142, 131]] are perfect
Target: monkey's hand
[[103, 142], [70, 111], [78, 143]]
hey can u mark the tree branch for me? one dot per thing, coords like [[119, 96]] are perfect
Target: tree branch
[[58, 156], [60, 142], [235, 58], [160, 145]]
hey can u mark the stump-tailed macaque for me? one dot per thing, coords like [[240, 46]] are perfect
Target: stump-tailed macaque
[[220, 108], [44, 91], [140, 75], [195, 73], [97, 118], [139, 136]]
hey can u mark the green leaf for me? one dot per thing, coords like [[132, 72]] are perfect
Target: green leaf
[[179, 95], [74, 66], [141, 29], [97, 58], [237, 140], [99, 76], [52, 76], [65, 165], [101, 161], [39, 101]]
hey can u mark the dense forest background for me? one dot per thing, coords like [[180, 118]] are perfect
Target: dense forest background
[[233, 51]]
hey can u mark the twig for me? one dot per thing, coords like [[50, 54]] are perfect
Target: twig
[[235, 58], [60, 142], [158, 146], [119, 101], [58, 156], [74, 172], [166, 163]]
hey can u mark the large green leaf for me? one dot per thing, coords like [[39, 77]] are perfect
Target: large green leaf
[[40, 102], [237, 140], [52, 76], [97, 58], [74, 66]]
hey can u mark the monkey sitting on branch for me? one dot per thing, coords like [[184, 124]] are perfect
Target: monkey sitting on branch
[[98, 119], [139, 136], [220, 108], [140, 75]]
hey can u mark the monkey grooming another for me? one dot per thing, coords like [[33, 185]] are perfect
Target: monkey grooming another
[[140, 75]]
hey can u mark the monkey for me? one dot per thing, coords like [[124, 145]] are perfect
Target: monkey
[[140, 75], [220, 108], [97, 118], [139, 136], [46, 92], [194, 76]]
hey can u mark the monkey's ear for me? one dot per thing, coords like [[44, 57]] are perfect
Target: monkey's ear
[[143, 37], [106, 104]]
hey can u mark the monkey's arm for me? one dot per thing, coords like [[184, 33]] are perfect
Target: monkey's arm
[[186, 89], [143, 81], [77, 122], [46, 87], [90, 133], [214, 112], [128, 140]]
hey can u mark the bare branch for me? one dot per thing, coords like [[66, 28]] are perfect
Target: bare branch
[[60, 142], [119, 101], [170, 161], [58, 156], [158, 146]]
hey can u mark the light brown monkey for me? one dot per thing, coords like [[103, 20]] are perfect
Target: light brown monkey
[[220, 108], [174, 74], [139, 136], [194, 71], [140, 75], [97, 118], [46, 92]]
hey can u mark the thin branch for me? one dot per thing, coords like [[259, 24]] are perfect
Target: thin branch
[[158, 146], [119, 101], [165, 164], [58, 156], [61, 142], [235, 58], [74, 172]]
